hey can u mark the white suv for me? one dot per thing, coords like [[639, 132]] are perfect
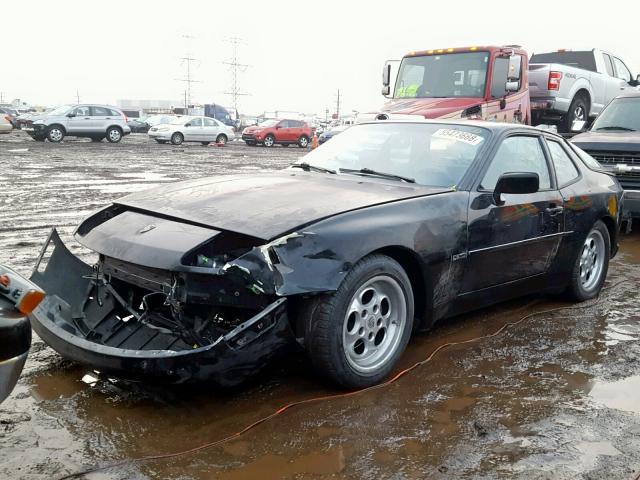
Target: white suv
[[92, 121]]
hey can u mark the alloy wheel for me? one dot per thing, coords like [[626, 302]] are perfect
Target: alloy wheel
[[592, 260]]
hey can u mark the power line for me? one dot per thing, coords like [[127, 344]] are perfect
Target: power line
[[187, 60], [235, 67]]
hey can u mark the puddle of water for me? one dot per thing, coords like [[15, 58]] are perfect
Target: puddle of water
[[621, 395]]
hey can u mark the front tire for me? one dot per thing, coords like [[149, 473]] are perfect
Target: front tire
[[55, 134], [591, 264], [114, 134], [177, 138], [269, 141], [356, 335], [221, 139]]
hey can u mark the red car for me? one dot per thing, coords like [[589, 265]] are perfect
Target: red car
[[284, 132]]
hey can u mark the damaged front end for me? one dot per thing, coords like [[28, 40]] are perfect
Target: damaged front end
[[189, 317]]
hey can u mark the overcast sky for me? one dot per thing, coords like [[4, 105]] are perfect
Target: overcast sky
[[300, 53]]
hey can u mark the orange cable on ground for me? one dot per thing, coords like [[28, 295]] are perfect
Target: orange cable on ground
[[288, 406]]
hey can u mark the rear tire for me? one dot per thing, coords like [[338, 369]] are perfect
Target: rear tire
[[177, 138], [114, 134], [578, 110], [303, 141], [591, 264], [205, 143], [55, 133], [222, 139], [356, 335]]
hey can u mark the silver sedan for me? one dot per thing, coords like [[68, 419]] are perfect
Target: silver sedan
[[192, 129]]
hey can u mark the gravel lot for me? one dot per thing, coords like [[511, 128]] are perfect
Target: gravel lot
[[556, 396]]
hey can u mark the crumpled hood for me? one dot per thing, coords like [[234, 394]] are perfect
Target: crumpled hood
[[268, 205], [608, 140], [429, 107]]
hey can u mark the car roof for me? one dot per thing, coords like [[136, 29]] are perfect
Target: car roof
[[493, 126]]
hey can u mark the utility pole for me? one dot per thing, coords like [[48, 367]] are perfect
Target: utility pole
[[235, 67], [338, 104], [77, 97], [1, 97], [187, 60]]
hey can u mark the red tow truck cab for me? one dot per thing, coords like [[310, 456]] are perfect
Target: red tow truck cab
[[488, 83]]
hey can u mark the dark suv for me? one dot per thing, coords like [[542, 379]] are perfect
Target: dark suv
[[284, 132], [614, 140]]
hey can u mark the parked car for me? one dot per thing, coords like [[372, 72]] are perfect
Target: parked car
[[5, 124], [12, 114], [90, 121], [568, 85], [192, 129], [154, 120], [382, 231], [18, 298], [614, 141], [332, 132], [138, 125], [283, 132]]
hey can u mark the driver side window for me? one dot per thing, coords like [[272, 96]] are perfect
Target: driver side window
[[518, 154], [82, 112], [196, 122]]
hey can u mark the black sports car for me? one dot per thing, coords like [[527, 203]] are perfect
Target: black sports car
[[386, 229]]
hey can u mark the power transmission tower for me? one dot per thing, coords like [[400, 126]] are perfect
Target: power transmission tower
[[187, 61], [235, 67]]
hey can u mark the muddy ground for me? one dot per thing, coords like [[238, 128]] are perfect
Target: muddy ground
[[556, 396]]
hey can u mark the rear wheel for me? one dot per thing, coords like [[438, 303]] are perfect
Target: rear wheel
[[591, 265], [356, 335], [303, 141], [578, 110], [114, 134], [55, 133], [269, 140], [205, 143], [221, 139], [177, 138]]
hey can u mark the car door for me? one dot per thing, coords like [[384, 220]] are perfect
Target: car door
[[193, 132], [80, 122], [101, 119], [282, 131], [520, 237], [622, 74], [210, 129]]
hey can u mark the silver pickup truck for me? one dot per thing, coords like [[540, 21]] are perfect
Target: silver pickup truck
[[568, 85]]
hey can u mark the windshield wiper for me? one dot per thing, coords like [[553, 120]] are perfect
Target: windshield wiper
[[308, 167], [614, 127], [368, 171]]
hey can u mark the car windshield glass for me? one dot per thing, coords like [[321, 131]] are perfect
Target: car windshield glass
[[268, 123], [431, 154], [621, 113], [180, 120], [60, 110], [570, 58], [442, 76]]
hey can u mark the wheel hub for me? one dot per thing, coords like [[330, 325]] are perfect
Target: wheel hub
[[374, 324], [592, 260]]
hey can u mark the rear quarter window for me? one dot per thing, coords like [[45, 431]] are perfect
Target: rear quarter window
[[585, 60]]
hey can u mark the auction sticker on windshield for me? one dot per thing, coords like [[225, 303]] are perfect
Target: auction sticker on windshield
[[458, 135]]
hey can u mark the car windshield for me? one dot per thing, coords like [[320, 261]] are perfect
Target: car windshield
[[268, 123], [620, 114], [433, 154], [442, 76], [60, 110]]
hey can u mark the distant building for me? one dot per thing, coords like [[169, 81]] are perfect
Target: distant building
[[149, 106]]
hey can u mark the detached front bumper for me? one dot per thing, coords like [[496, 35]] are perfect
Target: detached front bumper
[[60, 321]]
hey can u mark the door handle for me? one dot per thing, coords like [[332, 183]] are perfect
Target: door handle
[[553, 211]]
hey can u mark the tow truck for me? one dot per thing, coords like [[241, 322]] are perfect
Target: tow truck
[[487, 83]]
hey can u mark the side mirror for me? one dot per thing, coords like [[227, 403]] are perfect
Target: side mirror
[[578, 125], [278, 127], [187, 124], [386, 79], [512, 86], [515, 182], [71, 114]]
